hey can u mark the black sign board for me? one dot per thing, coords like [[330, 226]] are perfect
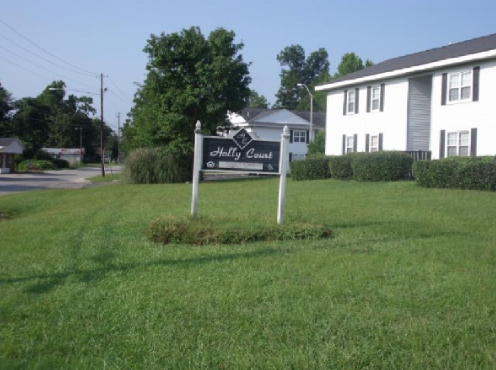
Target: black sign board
[[241, 153]]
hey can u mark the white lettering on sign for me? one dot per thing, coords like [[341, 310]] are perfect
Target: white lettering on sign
[[232, 152], [251, 154]]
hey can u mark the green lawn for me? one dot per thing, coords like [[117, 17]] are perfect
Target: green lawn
[[408, 281]]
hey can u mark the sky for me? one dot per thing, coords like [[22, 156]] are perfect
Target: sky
[[75, 40]]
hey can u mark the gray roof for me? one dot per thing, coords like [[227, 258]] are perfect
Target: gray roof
[[6, 141], [252, 114], [459, 49]]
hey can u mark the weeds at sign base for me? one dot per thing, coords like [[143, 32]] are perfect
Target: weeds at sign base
[[203, 231]]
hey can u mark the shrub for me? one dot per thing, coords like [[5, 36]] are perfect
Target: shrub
[[203, 230], [381, 166], [311, 168], [60, 163], [472, 173], [340, 167], [36, 165], [42, 155], [158, 165]]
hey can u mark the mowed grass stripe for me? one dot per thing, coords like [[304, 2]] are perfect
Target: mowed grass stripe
[[406, 282]]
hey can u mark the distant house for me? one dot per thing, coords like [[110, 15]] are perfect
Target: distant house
[[267, 124], [440, 100], [9, 147], [71, 155]]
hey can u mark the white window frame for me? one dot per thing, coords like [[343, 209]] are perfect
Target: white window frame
[[460, 86], [457, 144], [350, 104], [374, 148], [378, 99], [299, 136], [349, 149]]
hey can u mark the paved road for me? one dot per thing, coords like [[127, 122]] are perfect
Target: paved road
[[63, 179]]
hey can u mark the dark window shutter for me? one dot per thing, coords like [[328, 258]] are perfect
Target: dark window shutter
[[345, 102], [444, 88], [473, 142], [308, 136], [290, 136], [475, 85], [369, 89], [380, 141], [442, 143], [383, 93], [367, 138], [355, 142], [290, 157], [357, 92], [344, 144]]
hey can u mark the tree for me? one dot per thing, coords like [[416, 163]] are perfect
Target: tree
[[318, 145], [189, 78], [6, 105], [297, 69], [257, 101], [350, 62]]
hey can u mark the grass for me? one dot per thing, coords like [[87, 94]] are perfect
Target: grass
[[406, 282]]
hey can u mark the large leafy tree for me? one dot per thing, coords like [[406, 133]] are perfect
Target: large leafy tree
[[52, 120], [350, 62], [6, 105], [257, 101], [297, 68], [190, 77]]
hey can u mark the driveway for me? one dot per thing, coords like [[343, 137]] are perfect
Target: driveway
[[63, 179]]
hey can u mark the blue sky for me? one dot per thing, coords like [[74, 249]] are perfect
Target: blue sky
[[109, 35]]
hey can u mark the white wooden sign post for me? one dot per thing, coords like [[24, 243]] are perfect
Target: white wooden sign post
[[240, 154]]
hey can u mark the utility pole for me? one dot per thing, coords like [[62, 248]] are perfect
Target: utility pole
[[102, 149], [118, 136]]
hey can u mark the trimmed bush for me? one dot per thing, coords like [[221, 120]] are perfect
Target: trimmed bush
[[203, 231], [36, 165], [381, 166], [340, 167], [158, 165], [469, 173], [60, 163], [311, 168]]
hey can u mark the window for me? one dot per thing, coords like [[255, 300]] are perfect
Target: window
[[460, 86], [299, 136], [349, 144], [298, 157], [374, 143], [351, 102], [376, 98], [458, 144]]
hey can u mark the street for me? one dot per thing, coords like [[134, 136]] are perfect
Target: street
[[62, 179]]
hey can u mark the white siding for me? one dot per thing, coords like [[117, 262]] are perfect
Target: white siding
[[392, 122], [467, 115]]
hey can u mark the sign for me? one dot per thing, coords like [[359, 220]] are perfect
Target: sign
[[241, 153]]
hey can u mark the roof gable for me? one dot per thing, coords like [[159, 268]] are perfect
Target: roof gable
[[280, 117], [11, 145], [474, 46]]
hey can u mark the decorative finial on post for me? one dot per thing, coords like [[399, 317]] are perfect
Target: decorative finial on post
[[198, 127], [285, 132]]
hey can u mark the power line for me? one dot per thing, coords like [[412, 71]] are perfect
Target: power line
[[46, 51], [26, 69], [39, 56], [117, 87], [37, 65]]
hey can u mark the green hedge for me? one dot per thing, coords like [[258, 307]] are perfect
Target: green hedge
[[340, 167], [375, 166], [471, 173], [36, 165], [312, 168], [381, 166]]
